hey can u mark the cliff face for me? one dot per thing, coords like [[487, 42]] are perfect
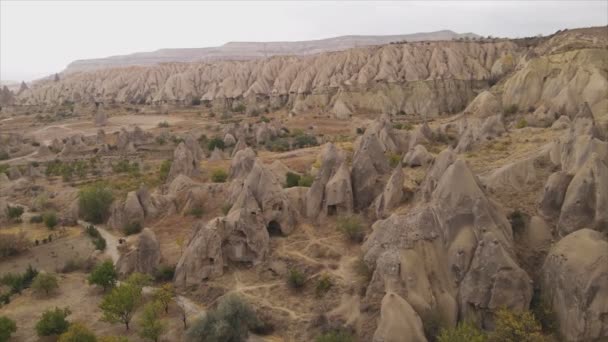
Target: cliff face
[[255, 50], [425, 78], [428, 77]]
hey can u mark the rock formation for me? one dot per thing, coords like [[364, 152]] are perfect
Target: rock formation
[[369, 165], [392, 195], [143, 255]]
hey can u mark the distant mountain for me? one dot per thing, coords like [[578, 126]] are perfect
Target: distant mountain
[[253, 50]]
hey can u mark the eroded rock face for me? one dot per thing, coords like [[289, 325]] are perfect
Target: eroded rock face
[[575, 284], [185, 162], [202, 259], [392, 195], [143, 256], [101, 118], [331, 160], [418, 156], [586, 199], [484, 105], [398, 321], [475, 131], [369, 165], [241, 164], [339, 193]]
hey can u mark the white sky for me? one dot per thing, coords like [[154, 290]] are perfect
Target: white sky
[[40, 38]]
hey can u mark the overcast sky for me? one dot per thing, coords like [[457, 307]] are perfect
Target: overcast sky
[[40, 38]]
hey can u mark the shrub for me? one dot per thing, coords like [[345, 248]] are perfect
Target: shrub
[[7, 328], [163, 124], [219, 176], [72, 265], [215, 142], [264, 119], [230, 321], [364, 271], [522, 123], [53, 322], [120, 304], [351, 227], [511, 109], [516, 326], [13, 244], [3, 168], [305, 140], [393, 159], [165, 167], [92, 231], [518, 221], [324, 283], [139, 280], [112, 339], [295, 279], [160, 140], [196, 102], [463, 332], [100, 244], [104, 275], [164, 273], [278, 145], [36, 219], [197, 212], [360, 130], [336, 336], [132, 228], [291, 179], [124, 166], [4, 155], [45, 282], [50, 220], [544, 313], [306, 180], [94, 203], [77, 333], [240, 108], [14, 212]]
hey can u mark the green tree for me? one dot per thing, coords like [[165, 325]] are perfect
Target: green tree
[[291, 179], [53, 322], [104, 275], [231, 321], [7, 328], [112, 339], [151, 325], [94, 203], [516, 326], [45, 282], [77, 333], [120, 304], [164, 295], [463, 332], [215, 142], [50, 220], [139, 280]]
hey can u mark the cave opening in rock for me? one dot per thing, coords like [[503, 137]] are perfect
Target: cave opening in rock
[[332, 210], [274, 228]]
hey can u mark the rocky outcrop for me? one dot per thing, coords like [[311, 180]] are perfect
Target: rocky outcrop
[[575, 284], [443, 160], [392, 195], [553, 195], [202, 259], [101, 118], [142, 256], [418, 156], [339, 193], [241, 164], [586, 199], [398, 321], [331, 159], [125, 213], [185, 162], [484, 105], [475, 131], [369, 165]]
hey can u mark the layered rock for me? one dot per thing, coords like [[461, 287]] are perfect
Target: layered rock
[[369, 165], [575, 284]]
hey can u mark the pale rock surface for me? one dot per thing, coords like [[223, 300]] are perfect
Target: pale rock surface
[[143, 256], [398, 321], [418, 156], [392, 195]]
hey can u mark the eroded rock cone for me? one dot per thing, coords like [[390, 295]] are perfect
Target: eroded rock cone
[[184, 163], [369, 165], [240, 145], [241, 164], [553, 196], [398, 321], [575, 285], [229, 140], [216, 155], [331, 159], [418, 156], [484, 105], [586, 199], [339, 193], [101, 118], [126, 213], [143, 256], [392, 196], [202, 259]]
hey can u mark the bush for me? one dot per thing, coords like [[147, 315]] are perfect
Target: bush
[[36, 219], [393, 159], [518, 221], [7, 328], [364, 271], [13, 244], [360, 130], [219, 176], [264, 119], [53, 322], [50, 220], [77, 333], [511, 109], [124, 166], [522, 123], [163, 124], [230, 321], [351, 227], [104, 275], [164, 273], [165, 167], [132, 228], [215, 142], [226, 208], [323, 285], [544, 313], [92, 231], [291, 179], [45, 282], [197, 212], [196, 102], [336, 336], [4, 155], [306, 181], [94, 203], [296, 279], [463, 332], [516, 326], [100, 244], [305, 140], [14, 213], [240, 108]]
